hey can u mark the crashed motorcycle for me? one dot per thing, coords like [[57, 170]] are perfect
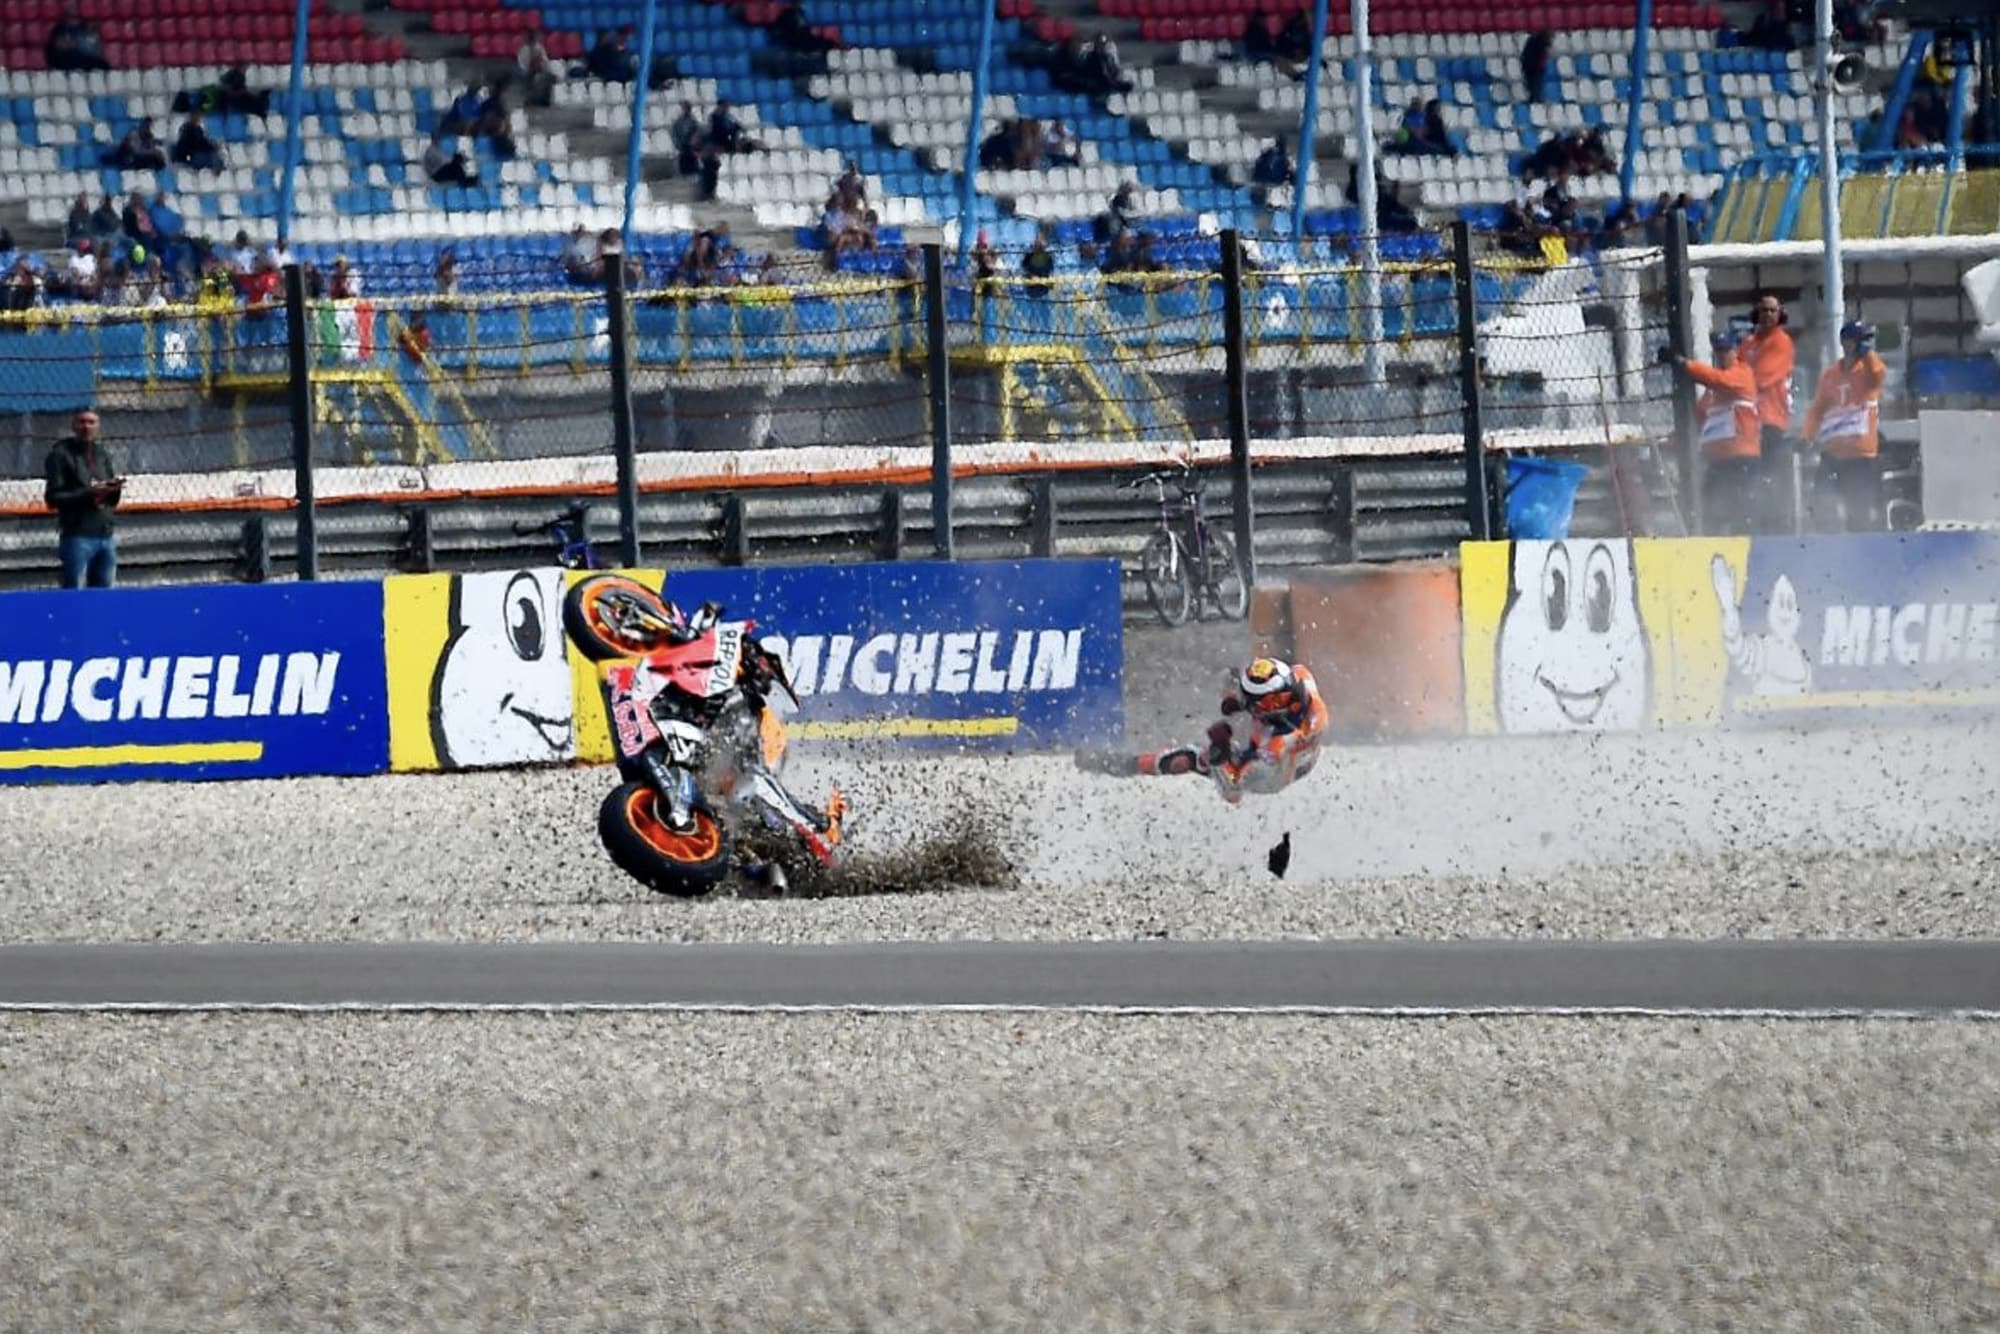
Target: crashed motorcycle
[[697, 744]]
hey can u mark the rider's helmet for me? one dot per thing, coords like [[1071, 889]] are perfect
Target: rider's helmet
[[1269, 687]]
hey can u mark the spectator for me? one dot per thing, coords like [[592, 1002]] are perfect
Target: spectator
[[1274, 165], [612, 59], [687, 139], [217, 289], [464, 114], [579, 261], [83, 489], [1732, 484], [1286, 47], [78, 225], [710, 168], [74, 44], [1102, 69], [242, 256], [840, 230], [83, 277], [852, 188], [445, 164], [1059, 145], [446, 273], [138, 222], [343, 283], [996, 150], [415, 337], [1535, 63], [726, 132], [496, 126], [139, 150], [112, 291], [1040, 264], [194, 148], [1520, 232], [265, 287], [1120, 215], [1656, 226], [1436, 136], [149, 286], [792, 31], [230, 93], [985, 262], [106, 223], [22, 288], [1620, 221], [538, 72], [1843, 424]]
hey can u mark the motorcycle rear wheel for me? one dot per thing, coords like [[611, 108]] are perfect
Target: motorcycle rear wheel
[[597, 612], [662, 859]]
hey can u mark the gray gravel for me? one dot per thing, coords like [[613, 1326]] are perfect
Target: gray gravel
[[982, 1172], [1864, 834]]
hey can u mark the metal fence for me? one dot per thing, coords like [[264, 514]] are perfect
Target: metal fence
[[508, 385]]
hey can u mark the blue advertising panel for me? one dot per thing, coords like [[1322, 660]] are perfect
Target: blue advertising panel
[[1005, 653], [231, 681], [1874, 622]]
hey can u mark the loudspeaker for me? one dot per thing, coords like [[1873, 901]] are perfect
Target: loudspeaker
[[1848, 72]]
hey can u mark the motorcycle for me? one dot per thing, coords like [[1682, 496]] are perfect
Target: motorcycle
[[696, 741]]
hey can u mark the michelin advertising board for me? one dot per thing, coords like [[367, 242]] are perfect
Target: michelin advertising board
[[237, 681], [1002, 654], [1615, 635]]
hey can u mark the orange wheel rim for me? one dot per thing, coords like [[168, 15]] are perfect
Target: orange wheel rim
[[593, 612], [696, 845]]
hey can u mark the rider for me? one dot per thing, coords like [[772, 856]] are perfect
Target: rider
[[1286, 717]]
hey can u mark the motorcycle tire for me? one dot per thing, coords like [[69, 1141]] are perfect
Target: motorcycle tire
[[590, 616], [666, 862]]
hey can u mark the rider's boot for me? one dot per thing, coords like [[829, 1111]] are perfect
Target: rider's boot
[[1172, 763]]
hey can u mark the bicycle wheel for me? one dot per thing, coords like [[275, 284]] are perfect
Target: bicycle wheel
[[1169, 581], [1223, 580]]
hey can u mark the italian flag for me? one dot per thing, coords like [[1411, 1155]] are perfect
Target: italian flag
[[346, 332]]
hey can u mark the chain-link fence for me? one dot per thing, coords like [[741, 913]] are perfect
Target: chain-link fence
[[483, 376]]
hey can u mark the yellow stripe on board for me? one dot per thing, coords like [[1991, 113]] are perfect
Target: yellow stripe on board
[[1866, 699], [890, 727], [86, 757]]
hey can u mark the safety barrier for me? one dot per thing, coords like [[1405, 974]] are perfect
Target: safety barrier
[[446, 672], [1590, 635]]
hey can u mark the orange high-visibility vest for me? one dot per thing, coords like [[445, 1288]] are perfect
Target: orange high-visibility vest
[[1844, 419], [1730, 426]]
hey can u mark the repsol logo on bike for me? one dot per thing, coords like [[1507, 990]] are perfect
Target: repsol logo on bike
[[985, 662], [104, 690]]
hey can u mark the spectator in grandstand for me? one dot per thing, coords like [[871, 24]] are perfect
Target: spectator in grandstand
[[79, 219], [539, 74], [496, 126], [996, 150], [1621, 220], [150, 288], [445, 275], [83, 487], [22, 289], [105, 222], [462, 116], [232, 92], [1286, 47], [1656, 225], [1039, 263], [82, 278], [791, 31], [840, 230], [217, 289], [702, 259], [1733, 486], [138, 223], [579, 259], [851, 188], [1059, 145], [1101, 69], [1842, 424], [242, 258], [265, 287], [194, 148], [1274, 164], [415, 337], [74, 44], [446, 164], [1772, 30], [709, 167], [727, 133], [985, 260], [1519, 232], [112, 290], [1120, 214], [139, 150], [1535, 63], [612, 58], [687, 138], [343, 283]]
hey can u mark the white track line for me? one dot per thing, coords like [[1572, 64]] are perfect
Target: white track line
[[1191, 1011]]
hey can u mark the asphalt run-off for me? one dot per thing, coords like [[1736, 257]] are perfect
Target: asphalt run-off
[[1800, 978]]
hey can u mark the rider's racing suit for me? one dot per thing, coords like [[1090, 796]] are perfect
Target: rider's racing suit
[[1281, 747]]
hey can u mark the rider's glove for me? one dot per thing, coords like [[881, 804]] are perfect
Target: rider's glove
[[1231, 703]]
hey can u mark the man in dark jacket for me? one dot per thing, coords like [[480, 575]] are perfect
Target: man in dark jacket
[[83, 489]]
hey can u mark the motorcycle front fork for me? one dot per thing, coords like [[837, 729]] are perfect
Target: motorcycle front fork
[[674, 786]]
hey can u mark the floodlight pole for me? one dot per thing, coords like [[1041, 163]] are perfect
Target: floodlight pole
[[1371, 213], [1832, 274]]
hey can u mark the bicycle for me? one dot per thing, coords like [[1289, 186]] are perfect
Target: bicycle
[[1186, 560], [570, 531]]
